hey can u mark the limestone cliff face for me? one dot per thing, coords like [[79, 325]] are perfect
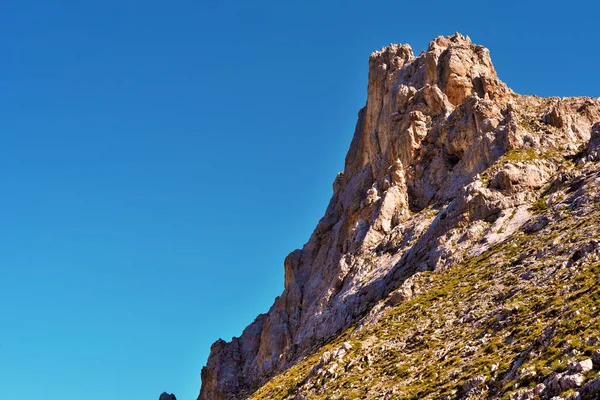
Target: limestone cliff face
[[424, 160]]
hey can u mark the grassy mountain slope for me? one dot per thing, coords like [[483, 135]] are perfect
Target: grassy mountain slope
[[512, 322]]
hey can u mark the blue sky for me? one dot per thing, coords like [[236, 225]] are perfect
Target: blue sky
[[158, 160]]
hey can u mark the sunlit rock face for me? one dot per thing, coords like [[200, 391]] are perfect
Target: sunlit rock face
[[441, 144]]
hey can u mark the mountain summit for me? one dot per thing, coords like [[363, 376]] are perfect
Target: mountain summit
[[464, 212]]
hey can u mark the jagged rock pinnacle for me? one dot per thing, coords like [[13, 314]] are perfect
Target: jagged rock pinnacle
[[432, 126]]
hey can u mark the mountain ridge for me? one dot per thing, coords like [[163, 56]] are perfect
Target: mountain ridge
[[445, 163]]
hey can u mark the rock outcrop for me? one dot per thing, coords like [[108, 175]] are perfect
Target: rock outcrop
[[167, 396], [445, 162]]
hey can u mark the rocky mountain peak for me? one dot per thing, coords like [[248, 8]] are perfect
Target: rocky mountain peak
[[443, 155]]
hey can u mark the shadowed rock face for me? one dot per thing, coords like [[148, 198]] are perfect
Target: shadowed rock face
[[430, 138]]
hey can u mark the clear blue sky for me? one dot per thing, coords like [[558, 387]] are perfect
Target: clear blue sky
[[158, 160]]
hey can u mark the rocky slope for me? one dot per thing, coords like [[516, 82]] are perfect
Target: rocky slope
[[464, 217]]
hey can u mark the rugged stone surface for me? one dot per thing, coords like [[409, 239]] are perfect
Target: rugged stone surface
[[445, 162], [167, 396], [521, 320]]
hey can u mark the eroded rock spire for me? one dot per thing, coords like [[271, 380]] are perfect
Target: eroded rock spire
[[427, 143]]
